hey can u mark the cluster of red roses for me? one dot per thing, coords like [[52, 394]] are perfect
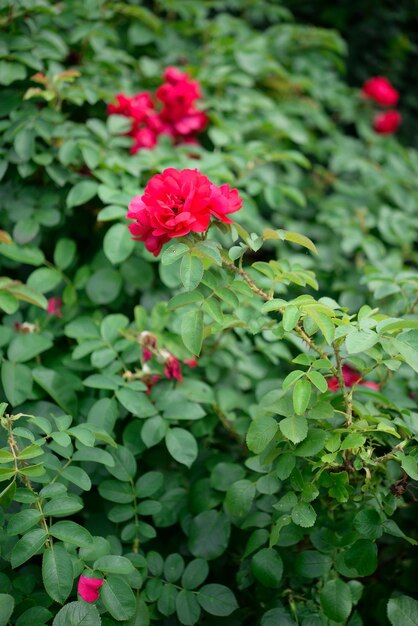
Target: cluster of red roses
[[177, 115], [176, 203], [381, 91]]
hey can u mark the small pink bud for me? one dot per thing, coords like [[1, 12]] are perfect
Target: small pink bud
[[54, 306], [88, 588], [190, 362]]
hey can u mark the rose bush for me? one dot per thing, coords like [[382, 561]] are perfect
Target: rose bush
[[209, 409]]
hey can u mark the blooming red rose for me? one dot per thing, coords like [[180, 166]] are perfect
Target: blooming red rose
[[54, 306], [381, 91], [178, 95], [143, 138], [172, 368], [176, 203], [88, 588], [138, 107], [387, 123], [351, 377]]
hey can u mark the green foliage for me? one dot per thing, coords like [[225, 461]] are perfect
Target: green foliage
[[259, 488]]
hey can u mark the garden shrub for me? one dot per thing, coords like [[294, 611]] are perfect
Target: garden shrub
[[223, 431]]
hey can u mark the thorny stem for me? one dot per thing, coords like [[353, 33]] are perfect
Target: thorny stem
[[228, 426], [135, 545], [15, 452], [269, 297], [337, 371]]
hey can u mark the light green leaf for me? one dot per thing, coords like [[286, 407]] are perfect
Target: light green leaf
[[192, 331], [191, 272], [118, 244]]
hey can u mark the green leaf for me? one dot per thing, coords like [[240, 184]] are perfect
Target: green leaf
[[26, 347], [212, 307], [7, 495], [294, 428], [217, 600], [81, 193], [209, 535], [403, 611], [44, 279], [64, 253], [191, 272], [118, 244], [362, 557], [59, 387], [62, 506], [267, 567], [28, 255], [118, 598], [173, 253], [301, 396], [323, 322], [318, 380], [70, 532], [367, 523], [353, 440], [360, 341], [9, 72], [104, 286], [192, 331], [261, 432], [173, 567], [291, 316], [28, 546], [195, 574], [239, 498], [312, 564], [187, 607], [287, 235], [136, 402], [336, 601], [77, 614], [22, 521], [303, 514], [7, 604], [113, 564], [182, 446], [116, 491], [57, 572]]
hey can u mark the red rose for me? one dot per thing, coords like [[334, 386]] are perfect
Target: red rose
[[143, 138], [88, 588], [387, 123], [176, 203], [138, 107], [381, 91], [351, 377]]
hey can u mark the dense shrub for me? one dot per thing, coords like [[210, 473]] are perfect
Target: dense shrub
[[225, 433]]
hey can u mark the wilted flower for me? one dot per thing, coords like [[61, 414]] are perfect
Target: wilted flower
[[172, 368]]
